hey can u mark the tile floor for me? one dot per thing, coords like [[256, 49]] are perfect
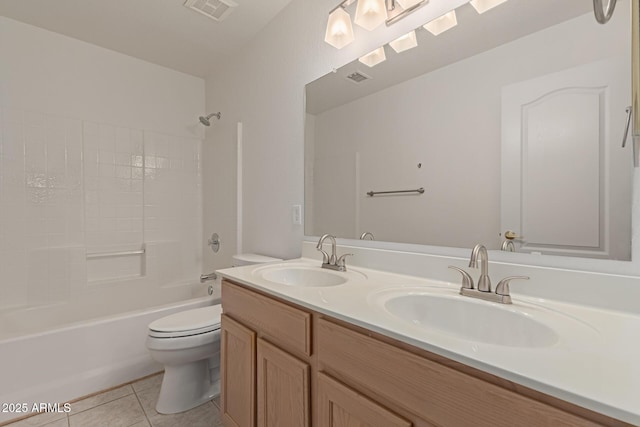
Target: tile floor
[[132, 405]]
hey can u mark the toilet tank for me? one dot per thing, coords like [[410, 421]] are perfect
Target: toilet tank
[[250, 259]]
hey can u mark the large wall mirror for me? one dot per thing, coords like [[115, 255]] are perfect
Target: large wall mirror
[[512, 120]]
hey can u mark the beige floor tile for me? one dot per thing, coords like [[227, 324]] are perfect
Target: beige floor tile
[[147, 383], [123, 412], [206, 415], [148, 399], [216, 401], [39, 420], [60, 423], [99, 399], [144, 423]]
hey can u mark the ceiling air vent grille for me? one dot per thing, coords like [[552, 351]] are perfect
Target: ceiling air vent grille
[[358, 77], [217, 10]]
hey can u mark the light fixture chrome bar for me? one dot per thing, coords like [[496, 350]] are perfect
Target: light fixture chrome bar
[[603, 14], [115, 254], [391, 5], [343, 5], [374, 193], [405, 12]]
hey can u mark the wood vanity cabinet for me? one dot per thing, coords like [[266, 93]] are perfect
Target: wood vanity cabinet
[[286, 366], [265, 361]]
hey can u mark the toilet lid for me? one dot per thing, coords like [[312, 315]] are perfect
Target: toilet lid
[[189, 322]]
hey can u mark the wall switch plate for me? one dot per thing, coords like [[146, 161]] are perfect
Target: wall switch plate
[[296, 214]]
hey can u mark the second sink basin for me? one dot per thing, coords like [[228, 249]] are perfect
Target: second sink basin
[[475, 320], [444, 312]]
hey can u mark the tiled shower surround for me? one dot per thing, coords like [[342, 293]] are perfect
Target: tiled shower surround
[[71, 188]]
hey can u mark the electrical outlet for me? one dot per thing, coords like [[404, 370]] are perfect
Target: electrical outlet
[[296, 214]]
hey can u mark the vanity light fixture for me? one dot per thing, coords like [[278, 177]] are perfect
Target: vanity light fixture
[[370, 13], [406, 4], [339, 30], [481, 6], [405, 42], [442, 24], [373, 58]]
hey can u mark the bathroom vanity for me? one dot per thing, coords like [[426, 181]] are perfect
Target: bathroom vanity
[[302, 346]]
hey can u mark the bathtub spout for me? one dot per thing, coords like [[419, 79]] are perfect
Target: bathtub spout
[[207, 277]]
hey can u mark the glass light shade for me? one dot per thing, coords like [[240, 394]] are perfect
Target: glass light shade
[[370, 13], [373, 58], [406, 4], [405, 42], [442, 24], [481, 6], [339, 30]]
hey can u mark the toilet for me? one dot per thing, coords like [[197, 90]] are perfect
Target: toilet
[[188, 345]]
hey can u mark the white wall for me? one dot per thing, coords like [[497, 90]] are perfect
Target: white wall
[[449, 120], [99, 152], [263, 87]]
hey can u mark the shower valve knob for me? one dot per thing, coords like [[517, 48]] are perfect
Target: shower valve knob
[[214, 242]]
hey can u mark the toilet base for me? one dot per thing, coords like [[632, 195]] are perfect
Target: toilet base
[[186, 386]]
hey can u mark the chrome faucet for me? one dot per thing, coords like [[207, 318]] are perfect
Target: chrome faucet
[[331, 261], [367, 235], [484, 282], [508, 246], [483, 291], [326, 259], [208, 277]]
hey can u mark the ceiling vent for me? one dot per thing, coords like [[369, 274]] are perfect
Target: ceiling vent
[[358, 77], [217, 10]]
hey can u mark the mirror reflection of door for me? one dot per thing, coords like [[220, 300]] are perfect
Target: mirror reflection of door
[[559, 134]]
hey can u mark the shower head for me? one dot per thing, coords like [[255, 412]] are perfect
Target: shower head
[[205, 120]]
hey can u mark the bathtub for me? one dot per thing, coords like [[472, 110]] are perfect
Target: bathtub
[[70, 358]]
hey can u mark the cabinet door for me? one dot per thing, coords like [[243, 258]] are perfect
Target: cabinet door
[[283, 388], [340, 406], [238, 361]]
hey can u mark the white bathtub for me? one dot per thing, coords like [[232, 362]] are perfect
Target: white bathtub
[[69, 360]]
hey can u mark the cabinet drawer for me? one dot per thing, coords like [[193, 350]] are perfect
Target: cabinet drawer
[[339, 406], [432, 391], [283, 324]]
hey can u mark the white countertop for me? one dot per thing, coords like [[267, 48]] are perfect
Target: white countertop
[[595, 363]]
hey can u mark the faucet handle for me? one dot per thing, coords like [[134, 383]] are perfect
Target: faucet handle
[[341, 260], [325, 256], [503, 285], [467, 280]]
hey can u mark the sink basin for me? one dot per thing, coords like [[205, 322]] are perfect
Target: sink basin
[[471, 319], [302, 276]]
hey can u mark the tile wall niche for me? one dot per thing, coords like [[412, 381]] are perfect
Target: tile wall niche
[[71, 188]]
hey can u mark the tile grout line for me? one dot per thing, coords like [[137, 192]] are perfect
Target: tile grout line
[[146, 416]]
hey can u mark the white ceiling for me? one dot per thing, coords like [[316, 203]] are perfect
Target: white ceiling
[[160, 31]]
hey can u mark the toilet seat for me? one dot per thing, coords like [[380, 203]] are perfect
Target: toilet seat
[[187, 323]]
